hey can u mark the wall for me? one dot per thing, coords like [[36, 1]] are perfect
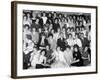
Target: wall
[[5, 40]]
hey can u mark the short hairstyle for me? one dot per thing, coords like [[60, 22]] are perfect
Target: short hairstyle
[[42, 51], [26, 25], [76, 46], [50, 35], [29, 37], [68, 46], [69, 34]]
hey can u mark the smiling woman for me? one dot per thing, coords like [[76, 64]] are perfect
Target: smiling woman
[[48, 38]]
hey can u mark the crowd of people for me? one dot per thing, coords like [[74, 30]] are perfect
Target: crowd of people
[[56, 39]]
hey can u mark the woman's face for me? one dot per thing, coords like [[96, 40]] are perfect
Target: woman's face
[[86, 48], [33, 14], [28, 15], [39, 15], [44, 14], [75, 49], [43, 52], [70, 36], [51, 26], [43, 37], [52, 31], [67, 49], [46, 28], [58, 30], [63, 29], [34, 29], [76, 36], [40, 30], [60, 16], [37, 20], [49, 15], [47, 47], [58, 48], [50, 37], [26, 27], [68, 30], [25, 18], [56, 21], [30, 29]]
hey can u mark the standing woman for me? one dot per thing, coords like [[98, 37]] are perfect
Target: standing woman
[[44, 18], [26, 21], [35, 35], [29, 18], [77, 58]]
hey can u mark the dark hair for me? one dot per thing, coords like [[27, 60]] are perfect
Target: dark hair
[[25, 16], [68, 46], [76, 46], [26, 25], [44, 51], [35, 47], [50, 35], [76, 34], [69, 34], [89, 27], [77, 28], [29, 37]]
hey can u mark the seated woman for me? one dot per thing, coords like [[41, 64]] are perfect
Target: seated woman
[[42, 60], [51, 41], [86, 56], [27, 51], [42, 42], [61, 42], [48, 55], [68, 55], [77, 58], [60, 61], [34, 57]]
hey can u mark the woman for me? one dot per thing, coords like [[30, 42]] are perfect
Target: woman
[[44, 18], [42, 42], [60, 61], [50, 27], [42, 60], [86, 56], [57, 35], [48, 54], [27, 51], [35, 36], [70, 40], [26, 32], [77, 58], [68, 55], [46, 31], [34, 57], [52, 42], [26, 21], [64, 32], [56, 25], [29, 18]]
